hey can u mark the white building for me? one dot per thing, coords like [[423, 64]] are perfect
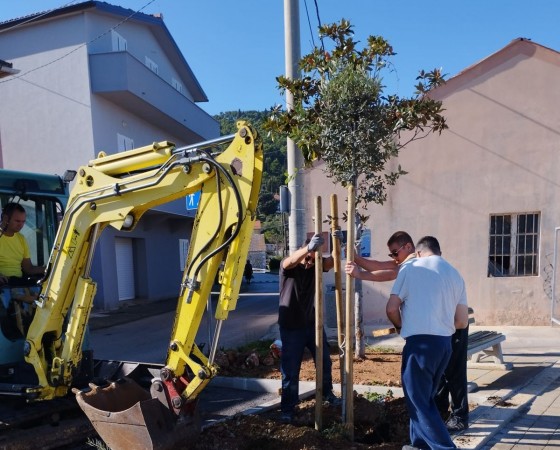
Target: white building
[[96, 77]]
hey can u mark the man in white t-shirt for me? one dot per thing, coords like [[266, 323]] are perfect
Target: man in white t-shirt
[[428, 303]]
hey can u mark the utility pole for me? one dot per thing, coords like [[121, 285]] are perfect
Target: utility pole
[[296, 221]]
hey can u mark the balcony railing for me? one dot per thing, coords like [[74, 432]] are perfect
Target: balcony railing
[[122, 79]]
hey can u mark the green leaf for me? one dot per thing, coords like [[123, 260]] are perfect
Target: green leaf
[[342, 116]]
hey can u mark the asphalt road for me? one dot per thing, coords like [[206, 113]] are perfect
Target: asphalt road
[[146, 339]]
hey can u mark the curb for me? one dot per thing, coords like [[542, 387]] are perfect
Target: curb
[[273, 386], [306, 387]]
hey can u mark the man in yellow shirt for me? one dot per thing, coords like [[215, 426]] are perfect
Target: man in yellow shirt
[[15, 258]]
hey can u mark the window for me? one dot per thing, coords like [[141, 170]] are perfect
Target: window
[[118, 42], [43, 217], [514, 245], [151, 65], [124, 143], [177, 85]]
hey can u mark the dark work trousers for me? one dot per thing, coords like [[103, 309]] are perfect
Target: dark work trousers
[[294, 342], [424, 359], [452, 392]]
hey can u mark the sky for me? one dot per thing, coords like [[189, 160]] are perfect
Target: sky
[[236, 48]]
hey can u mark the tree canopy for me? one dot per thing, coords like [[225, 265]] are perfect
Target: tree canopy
[[342, 116]]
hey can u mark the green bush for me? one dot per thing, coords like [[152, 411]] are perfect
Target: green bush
[[274, 264]]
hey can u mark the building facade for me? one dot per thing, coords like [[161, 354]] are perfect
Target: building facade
[[96, 77], [486, 187]]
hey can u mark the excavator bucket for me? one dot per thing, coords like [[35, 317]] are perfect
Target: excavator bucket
[[126, 417]]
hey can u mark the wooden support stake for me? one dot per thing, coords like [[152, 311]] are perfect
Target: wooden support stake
[[348, 413], [337, 285], [318, 321]]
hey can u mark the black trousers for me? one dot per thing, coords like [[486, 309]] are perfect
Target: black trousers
[[452, 392], [25, 281]]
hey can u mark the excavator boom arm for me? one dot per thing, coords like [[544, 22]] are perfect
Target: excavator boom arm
[[116, 191]]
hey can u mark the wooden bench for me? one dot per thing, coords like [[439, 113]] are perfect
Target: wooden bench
[[485, 343], [480, 344]]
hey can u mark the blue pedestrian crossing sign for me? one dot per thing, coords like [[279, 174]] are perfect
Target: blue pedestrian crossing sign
[[365, 243], [192, 201]]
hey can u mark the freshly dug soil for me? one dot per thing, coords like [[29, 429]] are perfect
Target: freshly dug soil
[[379, 423], [380, 367]]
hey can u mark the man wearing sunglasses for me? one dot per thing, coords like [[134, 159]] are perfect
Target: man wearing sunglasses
[[429, 302], [401, 249], [296, 318]]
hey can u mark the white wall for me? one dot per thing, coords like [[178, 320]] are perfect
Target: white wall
[[45, 120]]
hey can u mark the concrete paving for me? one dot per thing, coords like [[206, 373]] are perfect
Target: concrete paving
[[518, 409]]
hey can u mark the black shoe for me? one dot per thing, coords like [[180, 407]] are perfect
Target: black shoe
[[332, 399], [456, 424]]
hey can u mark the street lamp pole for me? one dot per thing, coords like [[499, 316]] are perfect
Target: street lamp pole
[[296, 220]]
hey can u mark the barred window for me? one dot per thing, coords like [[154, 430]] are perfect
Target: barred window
[[514, 245]]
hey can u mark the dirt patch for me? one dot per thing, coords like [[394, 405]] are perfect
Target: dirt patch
[[380, 367], [380, 422]]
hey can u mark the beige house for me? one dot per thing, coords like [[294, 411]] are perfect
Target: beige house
[[487, 188]]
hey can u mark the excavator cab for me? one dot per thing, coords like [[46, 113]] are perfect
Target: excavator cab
[[44, 198]]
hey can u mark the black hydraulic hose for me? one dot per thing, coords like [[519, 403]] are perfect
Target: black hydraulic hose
[[221, 218], [226, 174]]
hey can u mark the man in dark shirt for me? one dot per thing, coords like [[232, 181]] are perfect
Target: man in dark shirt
[[296, 318]]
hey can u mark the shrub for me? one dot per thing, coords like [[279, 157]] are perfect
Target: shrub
[[274, 264]]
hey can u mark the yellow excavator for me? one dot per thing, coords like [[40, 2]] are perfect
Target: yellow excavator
[[116, 190]]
